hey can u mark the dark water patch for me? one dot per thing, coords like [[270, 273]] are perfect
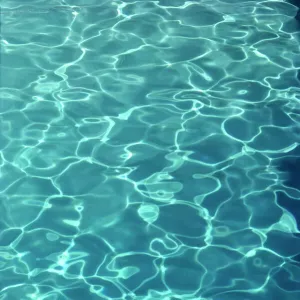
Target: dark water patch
[[290, 166]]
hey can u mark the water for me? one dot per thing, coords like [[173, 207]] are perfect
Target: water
[[149, 150]]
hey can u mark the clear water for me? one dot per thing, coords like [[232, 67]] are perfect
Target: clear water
[[149, 150]]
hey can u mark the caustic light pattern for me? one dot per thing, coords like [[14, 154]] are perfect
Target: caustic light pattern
[[149, 150]]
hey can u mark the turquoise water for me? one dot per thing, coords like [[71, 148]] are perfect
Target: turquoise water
[[149, 150]]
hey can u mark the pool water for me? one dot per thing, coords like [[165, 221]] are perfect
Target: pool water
[[149, 150]]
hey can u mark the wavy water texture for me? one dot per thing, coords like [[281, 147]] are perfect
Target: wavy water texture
[[149, 150]]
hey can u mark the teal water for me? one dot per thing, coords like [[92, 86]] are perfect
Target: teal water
[[149, 150]]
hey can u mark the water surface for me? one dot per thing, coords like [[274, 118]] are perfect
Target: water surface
[[149, 150]]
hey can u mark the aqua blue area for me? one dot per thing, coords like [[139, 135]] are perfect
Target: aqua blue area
[[149, 150]]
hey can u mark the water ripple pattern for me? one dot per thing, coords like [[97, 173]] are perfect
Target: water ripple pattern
[[149, 150]]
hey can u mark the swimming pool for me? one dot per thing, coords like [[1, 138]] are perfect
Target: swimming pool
[[149, 150]]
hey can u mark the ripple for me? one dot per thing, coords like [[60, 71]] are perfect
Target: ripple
[[149, 150]]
